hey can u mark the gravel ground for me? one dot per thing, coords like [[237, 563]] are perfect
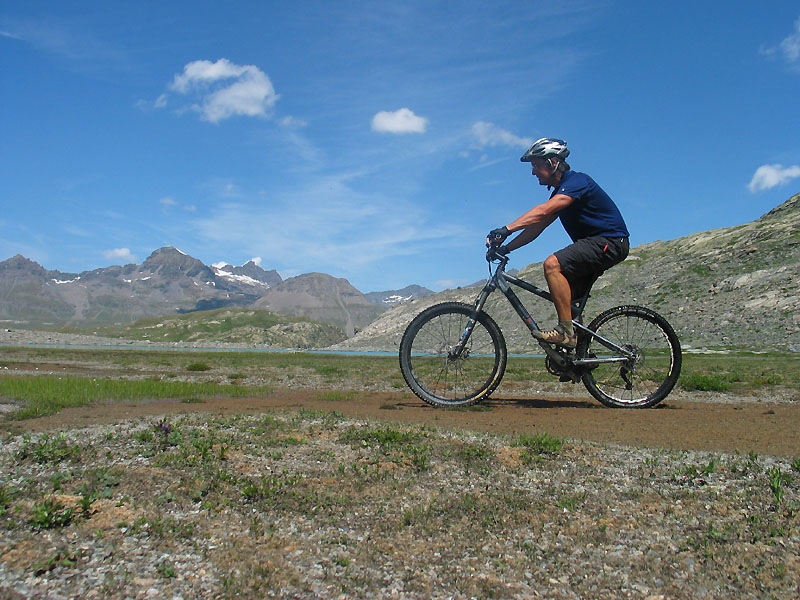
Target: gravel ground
[[307, 504], [313, 505]]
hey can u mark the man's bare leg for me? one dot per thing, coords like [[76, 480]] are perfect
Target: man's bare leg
[[559, 289]]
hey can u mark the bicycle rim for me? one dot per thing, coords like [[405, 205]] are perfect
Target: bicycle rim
[[434, 374], [647, 378]]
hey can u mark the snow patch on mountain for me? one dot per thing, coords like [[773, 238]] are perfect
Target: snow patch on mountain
[[239, 278]]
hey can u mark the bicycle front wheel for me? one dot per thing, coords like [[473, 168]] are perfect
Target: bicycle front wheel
[[441, 378], [649, 375]]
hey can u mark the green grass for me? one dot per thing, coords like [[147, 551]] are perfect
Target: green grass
[[48, 449], [538, 445], [198, 366], [740, 372], [705, 382], [46, 395], [365, 369], [50, 513]]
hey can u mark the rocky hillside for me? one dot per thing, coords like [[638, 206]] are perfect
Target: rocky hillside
[[230, 326], [724, 288], [321, 297]]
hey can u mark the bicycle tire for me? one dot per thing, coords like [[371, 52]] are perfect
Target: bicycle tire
[[446, 382], [647, 379]]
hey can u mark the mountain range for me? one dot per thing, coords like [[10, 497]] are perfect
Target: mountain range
[[733, 287], [171, 282]]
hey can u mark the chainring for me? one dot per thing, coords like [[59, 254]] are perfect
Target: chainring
[[565, 373]]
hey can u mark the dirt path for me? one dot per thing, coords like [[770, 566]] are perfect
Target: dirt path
[[769, 429]]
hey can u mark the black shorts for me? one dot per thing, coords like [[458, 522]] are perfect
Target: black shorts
[[585, 260]]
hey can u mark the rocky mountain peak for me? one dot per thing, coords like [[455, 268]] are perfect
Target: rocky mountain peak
[[251, 269], [167, 254], [21, 264], [20, 267], [171, 261], [249, 273]]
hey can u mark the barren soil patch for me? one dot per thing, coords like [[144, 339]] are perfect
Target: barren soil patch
[[765, 428]]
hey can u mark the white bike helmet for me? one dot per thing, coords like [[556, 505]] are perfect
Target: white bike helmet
[[546, 147]]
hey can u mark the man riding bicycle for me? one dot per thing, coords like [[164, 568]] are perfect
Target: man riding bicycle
[[592, 221]]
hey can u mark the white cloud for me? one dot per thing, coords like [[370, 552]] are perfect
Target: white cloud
[[224, 89], [13, 36], [168, 202], [65, 39], [789, 47], [489, 134], [399, 121], [325, 225], [256, 260], [123, 254], [769, 176], [293, 122]]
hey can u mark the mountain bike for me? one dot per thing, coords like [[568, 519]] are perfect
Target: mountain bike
[[454, 354]]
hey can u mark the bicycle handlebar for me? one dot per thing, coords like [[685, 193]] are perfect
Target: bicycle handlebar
[[492, 254]]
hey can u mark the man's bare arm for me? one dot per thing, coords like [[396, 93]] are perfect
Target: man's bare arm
[[536, 220], [543, 213]]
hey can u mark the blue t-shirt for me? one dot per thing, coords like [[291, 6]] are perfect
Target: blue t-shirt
[[592, 212]]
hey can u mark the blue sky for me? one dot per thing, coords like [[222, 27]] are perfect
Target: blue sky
[[380, 141]]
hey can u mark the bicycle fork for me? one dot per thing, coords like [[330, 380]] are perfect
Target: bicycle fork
[[456, 351]]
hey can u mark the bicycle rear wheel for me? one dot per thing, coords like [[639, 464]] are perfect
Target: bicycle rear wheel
[[647, 378], [444, 380]]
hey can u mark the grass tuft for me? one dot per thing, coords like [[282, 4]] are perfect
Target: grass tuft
[[47, 395], [702, 382], [198, 366]]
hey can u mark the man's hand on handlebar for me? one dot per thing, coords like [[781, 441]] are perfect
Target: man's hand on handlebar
[[497, 236]]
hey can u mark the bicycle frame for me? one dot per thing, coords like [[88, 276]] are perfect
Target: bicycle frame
[[503, 281]]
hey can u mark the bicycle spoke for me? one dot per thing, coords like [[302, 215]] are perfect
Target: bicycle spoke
[[649, 374], [440, 375]]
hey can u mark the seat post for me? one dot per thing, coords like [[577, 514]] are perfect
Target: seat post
[[578, 304]]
